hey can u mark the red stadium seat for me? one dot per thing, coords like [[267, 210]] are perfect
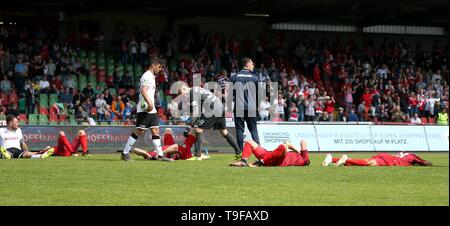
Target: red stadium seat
[[53, 111], [53, 118], [101, 73], [109, 81], [23, 118], [62, 118], [13, 99], [43, 111], [4, 100], [424, 120]]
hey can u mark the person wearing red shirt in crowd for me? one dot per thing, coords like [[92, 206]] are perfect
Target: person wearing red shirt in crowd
[[284, 155], [316, 73], [171, 149], [327, 73], [382, 159], [412, 102], [57, 83], [329, 104], [367, 97], [65, 148]]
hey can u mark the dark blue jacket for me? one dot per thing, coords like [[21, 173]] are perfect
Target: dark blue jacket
[[249, 98]]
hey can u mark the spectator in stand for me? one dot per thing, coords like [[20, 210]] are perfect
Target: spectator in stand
[[415, 119], [412, 104], [329, 105], [20, 67], [430, 104], [100, 104], [56, 83], [126, 82], [362, 111], [264, 109], [88, 92], [293, 113], [5, 84], [340, 116], [280, 105], [117, 107], [50, 68], [310, 109], [127, 112], [107, 97], [66, 96], [398, 115], [324, 117], [352, 117], [442, 118], [44, 85]]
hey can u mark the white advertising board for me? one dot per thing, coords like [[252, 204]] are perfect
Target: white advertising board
[[437, 137], [399, 138]]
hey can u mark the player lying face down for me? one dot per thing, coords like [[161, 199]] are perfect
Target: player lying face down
[[285, 154], [382, 159]]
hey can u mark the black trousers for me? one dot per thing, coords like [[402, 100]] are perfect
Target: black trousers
[[240, 127]]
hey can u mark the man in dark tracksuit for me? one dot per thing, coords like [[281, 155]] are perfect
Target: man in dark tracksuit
[[245, 102]]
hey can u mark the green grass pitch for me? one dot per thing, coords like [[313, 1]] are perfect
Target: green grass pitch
[[106, 180]]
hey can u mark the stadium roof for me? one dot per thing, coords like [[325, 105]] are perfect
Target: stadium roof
[[356, 12]]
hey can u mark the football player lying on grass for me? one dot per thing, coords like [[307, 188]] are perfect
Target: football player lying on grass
[[172, 150], [65, 148], [382, 159], [285, 154]]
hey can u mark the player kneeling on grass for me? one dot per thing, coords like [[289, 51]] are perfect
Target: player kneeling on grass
[[285, 155], [170, 149], [65, 148], [382, 159], [12, 144]]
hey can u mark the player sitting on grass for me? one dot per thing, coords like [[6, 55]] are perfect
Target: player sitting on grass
[[170, 149], [382, 159], [285, 155], [12, 144], [65, 148]]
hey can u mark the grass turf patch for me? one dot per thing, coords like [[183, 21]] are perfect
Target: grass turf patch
[[106, 180]]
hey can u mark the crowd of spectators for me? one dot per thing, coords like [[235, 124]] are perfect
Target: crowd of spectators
[[391, 80]]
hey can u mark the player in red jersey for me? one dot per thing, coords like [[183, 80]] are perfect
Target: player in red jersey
[[65, 148], [285, 154], [170, 149], [382, 159]]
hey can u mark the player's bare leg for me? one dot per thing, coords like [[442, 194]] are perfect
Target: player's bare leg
[[141, 152]]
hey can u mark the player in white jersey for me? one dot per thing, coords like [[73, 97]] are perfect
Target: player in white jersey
[[147, 117], [12, 144]]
